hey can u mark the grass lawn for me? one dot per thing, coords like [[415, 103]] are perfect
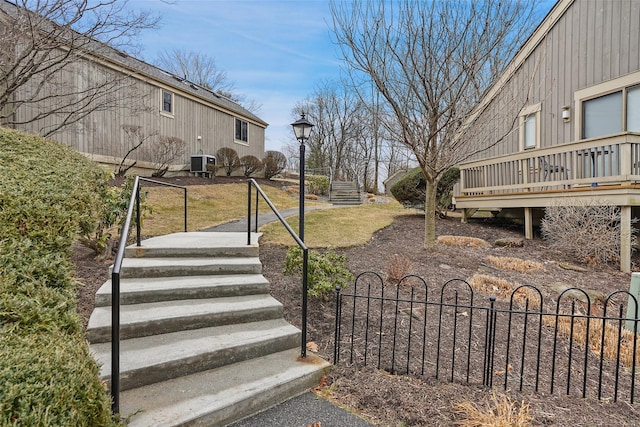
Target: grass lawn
[[208, 205], [339, 227]]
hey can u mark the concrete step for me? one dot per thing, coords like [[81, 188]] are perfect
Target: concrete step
[[197, 244], [152, 359], [141, 320], [163, 267], [224, 395], [155, 289]]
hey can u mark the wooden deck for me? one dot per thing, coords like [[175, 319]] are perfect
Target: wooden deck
[[600, 170]]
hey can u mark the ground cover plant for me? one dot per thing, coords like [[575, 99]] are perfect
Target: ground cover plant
[[49, 195]]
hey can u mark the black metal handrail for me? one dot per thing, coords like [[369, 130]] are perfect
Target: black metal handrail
[[305, 252], [115, 282]]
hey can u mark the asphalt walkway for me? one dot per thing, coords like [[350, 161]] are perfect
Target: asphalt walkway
[[306, 409], [303, 411], [241, 224]]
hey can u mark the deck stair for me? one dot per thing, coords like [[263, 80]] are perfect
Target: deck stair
[[202, 341], [345, 193]]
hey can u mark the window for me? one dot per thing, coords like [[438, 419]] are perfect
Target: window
[[530, 131], [609, 108], [242, 131], [602, 115], [167, 102], [633, 109], [530, 127]]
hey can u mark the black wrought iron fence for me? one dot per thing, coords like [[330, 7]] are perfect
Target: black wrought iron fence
[[522, 338]]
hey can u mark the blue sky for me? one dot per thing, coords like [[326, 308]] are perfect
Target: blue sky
[[274, 51]]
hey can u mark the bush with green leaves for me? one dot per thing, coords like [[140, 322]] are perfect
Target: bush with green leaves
[[326, 270], [113, 213], [49, 195], [411, 188], [318, 184]]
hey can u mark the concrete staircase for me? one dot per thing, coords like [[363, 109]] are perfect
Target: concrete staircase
[[345, 193], [202, 341]]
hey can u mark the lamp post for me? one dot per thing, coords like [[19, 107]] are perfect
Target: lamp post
[[302, 129]]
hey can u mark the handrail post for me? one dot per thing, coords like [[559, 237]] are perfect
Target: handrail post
[[185, 209], [305, 271], [115, 342], [299, 241], [257, 209], [249, 212], [138, 226]]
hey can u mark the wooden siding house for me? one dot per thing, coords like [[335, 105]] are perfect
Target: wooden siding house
[[562, 123], [145, 102]]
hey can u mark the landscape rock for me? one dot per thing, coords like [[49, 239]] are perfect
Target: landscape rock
[[509, 242]]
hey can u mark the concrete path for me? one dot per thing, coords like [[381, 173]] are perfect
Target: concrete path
[[307, 408], [241, 224]]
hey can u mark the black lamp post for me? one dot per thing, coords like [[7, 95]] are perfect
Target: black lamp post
[[302, 129]]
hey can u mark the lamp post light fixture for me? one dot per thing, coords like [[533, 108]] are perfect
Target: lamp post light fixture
[[302, 129]]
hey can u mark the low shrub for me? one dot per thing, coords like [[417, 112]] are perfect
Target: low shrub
[[318, 184], [112, 212], [274, 162], [49, 195], [410, 190], [326, 271], [589, 232]]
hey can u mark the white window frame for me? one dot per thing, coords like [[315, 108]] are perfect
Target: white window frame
[[172, 102], [532, 111], [241, 140]]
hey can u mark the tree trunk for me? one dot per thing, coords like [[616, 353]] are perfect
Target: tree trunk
[[430, 216]]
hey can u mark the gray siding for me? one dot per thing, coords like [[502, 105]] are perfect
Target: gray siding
[[137, 103], [593, 42]]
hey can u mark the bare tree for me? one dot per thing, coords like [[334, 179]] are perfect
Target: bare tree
[[197, 68], [201, 69], [45, 67], [430, 62], [136, 137], [337, 115]]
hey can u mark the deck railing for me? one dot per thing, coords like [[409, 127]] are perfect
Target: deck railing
[[586, 163]]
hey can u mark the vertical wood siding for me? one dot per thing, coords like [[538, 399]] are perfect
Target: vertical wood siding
[[101, 132], [593, 42]]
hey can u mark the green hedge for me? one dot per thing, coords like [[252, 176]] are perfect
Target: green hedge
[[411, 188], [49, 194]]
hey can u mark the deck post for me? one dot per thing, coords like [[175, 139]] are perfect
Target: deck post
[[625, 239], [528, 224]]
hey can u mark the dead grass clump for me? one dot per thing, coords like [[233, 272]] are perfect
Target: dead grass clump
[[502, 289], [398, 267], [460, 241], [515, 264], [595, 337], [500, 412]]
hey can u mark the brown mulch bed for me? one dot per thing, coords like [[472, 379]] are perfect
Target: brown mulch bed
[[387, 399]]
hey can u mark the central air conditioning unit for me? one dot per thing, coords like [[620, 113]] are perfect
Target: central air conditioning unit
[[199, 163]]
